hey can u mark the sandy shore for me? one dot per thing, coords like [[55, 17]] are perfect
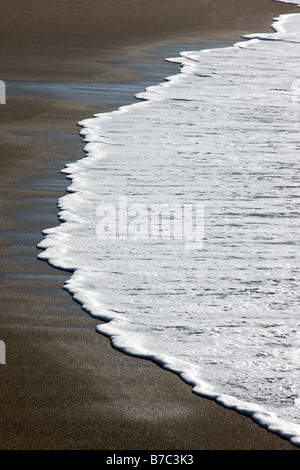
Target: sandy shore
[[64, 386]]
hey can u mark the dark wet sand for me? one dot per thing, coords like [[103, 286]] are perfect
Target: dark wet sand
[[64, 386]]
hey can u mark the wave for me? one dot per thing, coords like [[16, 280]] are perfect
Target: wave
[[181, 226]]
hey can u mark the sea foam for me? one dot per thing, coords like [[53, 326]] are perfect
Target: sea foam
[[219, 308]]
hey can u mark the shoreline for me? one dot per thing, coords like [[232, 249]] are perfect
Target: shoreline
[[64, 386]]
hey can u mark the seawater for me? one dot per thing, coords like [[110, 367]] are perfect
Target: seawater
[[212, 293]]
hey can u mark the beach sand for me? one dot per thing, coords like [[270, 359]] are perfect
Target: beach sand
[[63, 386]]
